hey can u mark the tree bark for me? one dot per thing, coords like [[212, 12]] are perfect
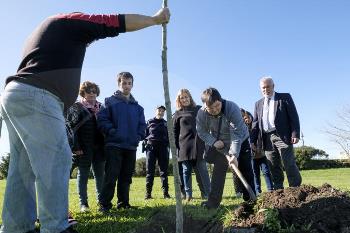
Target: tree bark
[[179, 209]]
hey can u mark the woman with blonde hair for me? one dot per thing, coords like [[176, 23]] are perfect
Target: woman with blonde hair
[[189, 146]]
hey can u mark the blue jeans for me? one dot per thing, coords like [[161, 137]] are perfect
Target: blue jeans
[[187, 177], [40, 160], [261, 163], [98, 169]]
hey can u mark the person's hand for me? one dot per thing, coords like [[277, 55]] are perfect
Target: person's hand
[[232, 160], [219, 144], [162, 16], [295, 140], [78, 152]]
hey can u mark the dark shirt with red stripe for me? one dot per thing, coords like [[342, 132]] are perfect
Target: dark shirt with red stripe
[[54, 52]]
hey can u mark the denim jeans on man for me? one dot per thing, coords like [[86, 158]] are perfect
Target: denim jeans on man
[[40, 160]]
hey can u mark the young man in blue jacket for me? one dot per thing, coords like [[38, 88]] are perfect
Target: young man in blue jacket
[[122, 121]]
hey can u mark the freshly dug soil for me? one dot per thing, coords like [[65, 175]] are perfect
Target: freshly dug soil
[[304, 209], [307, 208]]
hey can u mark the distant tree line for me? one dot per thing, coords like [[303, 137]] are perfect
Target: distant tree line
[[307, 157]]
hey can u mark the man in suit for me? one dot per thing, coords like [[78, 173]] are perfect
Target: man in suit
[[276, 121]]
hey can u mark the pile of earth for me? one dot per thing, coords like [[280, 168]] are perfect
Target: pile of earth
[[304, 209], [301, 209]]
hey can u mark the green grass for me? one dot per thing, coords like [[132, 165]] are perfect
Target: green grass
[[123, 221]]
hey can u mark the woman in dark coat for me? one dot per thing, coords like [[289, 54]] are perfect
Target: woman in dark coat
[[87, 144], [190, 151]]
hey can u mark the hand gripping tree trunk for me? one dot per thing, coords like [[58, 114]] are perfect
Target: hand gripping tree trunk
[[179, 209]]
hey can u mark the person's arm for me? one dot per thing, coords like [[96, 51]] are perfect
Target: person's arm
[[238, 129], [142, 125], [293, 119], [176, 130], [202, 129], [104, 121], [134, 22], [255, 128]]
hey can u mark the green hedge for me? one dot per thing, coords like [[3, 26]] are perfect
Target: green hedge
[[325, 163]]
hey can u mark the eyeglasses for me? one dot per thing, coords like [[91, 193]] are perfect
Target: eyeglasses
[[91, 91]]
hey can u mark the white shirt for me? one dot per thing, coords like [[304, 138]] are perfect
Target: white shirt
[[269, 120]]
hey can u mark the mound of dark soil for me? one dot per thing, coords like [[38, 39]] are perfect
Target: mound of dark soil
[[304, 209]]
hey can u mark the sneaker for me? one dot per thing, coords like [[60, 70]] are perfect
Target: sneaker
[[166, 195], [71, 220], [148, 196], [69, 230], [84, 208]]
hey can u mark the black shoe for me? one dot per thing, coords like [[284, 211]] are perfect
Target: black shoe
[[148, 196], [103, 209], [69, 230], [123, 205], [208, 205], [166, 195]]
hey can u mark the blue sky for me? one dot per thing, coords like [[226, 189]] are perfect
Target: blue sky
[[227, 44]]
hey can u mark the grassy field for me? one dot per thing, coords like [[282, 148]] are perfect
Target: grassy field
[[122, 221]]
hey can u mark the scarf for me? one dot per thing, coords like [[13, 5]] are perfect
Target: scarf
[[91, 107]]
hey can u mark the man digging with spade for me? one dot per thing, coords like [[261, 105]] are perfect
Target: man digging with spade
[[220, 125]]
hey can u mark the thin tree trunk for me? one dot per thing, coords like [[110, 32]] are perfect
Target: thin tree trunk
[[179, 209]]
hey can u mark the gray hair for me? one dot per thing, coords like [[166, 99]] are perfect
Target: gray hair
[[267, 79]]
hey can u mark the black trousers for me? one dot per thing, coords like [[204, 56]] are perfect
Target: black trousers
[[220, 169], [158, 153], [120, 166]]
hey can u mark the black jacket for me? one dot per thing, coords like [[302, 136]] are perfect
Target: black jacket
[[157, 132], [87, 137], [189, 145], [286, 118]]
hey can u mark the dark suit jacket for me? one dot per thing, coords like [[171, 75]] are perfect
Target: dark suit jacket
[[286, 118]]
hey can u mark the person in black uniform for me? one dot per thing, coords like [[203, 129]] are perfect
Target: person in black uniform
[[156, 145]]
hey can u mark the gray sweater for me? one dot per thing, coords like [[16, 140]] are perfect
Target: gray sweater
[[233, 131]]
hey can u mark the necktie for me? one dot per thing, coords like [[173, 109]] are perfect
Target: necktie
[[266, 109]]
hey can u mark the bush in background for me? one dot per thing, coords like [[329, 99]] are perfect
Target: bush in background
[[4, 166]]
